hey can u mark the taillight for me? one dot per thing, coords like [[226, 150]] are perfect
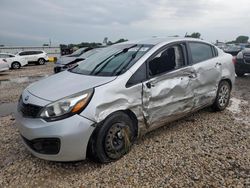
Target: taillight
[[234, 60]]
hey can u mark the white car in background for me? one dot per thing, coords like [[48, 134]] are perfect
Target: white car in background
[[3, 65], [35, 56], [14, 62]]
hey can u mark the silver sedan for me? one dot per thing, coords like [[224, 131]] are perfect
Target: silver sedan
[[98, 108]]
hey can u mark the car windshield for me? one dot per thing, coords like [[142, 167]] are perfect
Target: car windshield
[[90, 53], [112, 61], [78, 52]]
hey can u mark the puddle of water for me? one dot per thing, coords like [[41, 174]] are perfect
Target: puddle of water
[[235, 105], [20, 80], [7, 109]]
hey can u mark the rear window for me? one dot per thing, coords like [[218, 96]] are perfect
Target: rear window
[[201, 51]]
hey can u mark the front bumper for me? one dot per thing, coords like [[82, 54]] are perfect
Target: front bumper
[[72, 133]]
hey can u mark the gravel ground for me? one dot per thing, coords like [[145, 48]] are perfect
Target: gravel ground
[[204, 150], [13, 82]]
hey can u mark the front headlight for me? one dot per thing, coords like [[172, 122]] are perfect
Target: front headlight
[[67, 106]]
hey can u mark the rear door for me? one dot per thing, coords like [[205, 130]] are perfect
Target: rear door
[[205, 61], [168, 94]]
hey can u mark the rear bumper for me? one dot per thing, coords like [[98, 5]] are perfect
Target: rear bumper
[[64, 140], [242, 66]]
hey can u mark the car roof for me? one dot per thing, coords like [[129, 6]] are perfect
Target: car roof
[[158, 40]]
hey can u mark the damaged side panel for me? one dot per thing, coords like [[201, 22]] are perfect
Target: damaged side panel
[[170, 96], [206, 83], [125, 99]]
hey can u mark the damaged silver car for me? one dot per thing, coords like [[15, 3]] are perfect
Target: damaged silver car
[[100, 107]]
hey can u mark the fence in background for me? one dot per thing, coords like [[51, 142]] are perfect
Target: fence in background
[[54, 51]]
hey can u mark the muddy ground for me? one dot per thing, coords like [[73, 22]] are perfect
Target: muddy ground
[[205, 149]]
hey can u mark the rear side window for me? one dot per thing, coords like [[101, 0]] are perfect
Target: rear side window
[[38, 52], [201, 51]]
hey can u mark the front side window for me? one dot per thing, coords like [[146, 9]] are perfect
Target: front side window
[[23, 53], [112, 61], [200, 51], [167, 60]]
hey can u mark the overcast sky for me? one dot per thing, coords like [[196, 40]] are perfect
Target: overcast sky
[[34, 22]]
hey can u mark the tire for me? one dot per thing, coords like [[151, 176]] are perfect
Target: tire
[[112, 139], [240, 74], [15, 65], [41, 61], [223, 96]]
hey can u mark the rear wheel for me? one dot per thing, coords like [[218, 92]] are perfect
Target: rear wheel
[[223, 96], [41, 61], [15, 65], [112, 139]]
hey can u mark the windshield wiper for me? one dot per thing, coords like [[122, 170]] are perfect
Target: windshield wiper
[[110, 58], [126, 65]]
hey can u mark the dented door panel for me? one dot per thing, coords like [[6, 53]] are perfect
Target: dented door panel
[[206, 83], [170, 95]]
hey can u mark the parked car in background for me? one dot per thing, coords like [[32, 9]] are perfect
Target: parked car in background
[[14, 61], [78, 52], [242, 63], [99, 108], [65, 63], [3, 65], [233, 50], [35, 56]]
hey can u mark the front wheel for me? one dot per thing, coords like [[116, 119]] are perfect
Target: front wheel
[[223, 96], [112, 139], [15, 65]]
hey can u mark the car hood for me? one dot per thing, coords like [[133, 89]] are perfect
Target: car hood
[[64, 84]]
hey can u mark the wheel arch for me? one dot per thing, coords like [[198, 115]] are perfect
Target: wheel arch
[[229, 81], [128, 112]]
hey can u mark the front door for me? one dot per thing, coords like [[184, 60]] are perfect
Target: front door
[[168, 95]]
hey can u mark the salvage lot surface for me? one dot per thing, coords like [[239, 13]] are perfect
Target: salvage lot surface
[[205, 149]]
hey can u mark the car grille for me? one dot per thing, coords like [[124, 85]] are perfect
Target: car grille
[[247, 58], [28, 110]]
